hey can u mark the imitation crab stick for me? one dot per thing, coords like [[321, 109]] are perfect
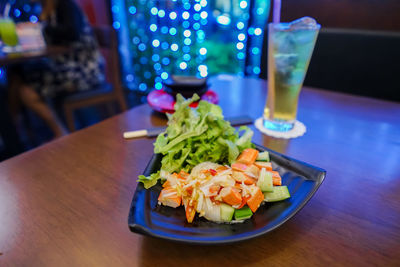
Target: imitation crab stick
[[255, 200], [248, 156], [276, 178], [244, 201], [169, 197], [231, 196], [263, 164], [249, 181], [238, 166]]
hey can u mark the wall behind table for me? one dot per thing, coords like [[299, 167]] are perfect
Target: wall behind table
[[98, 14], [96, 11], [356, 14]]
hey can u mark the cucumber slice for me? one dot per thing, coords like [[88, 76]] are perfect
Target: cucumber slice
[[226, 212], [263, 156], [243, 213], [265, 181], [280, 193]]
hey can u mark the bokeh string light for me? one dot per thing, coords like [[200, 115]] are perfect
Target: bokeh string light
[[181, 37]]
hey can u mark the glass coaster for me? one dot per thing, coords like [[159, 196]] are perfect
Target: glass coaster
[[298, 129]]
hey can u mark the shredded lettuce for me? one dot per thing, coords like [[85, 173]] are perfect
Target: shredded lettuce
[[197, 135], [149, 181]]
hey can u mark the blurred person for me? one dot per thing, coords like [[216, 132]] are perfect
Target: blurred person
[[64, 24]]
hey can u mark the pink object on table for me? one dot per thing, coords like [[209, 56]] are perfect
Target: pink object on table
[[164, 102]]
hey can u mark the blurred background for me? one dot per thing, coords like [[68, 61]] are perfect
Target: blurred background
[[203, 38]]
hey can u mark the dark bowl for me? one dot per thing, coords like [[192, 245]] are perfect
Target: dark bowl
[[148, 218], [185, 85]]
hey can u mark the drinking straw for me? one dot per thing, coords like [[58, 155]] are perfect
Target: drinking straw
[[276, 15], [7, 8]]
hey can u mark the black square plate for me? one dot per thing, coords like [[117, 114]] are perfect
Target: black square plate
[[146, 217]]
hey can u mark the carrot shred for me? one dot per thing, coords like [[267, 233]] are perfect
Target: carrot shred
[[167, 183], [190, 213]]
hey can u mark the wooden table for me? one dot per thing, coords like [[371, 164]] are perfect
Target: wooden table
[[21, 57], [66, 203]]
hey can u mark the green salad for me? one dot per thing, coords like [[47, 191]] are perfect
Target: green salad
[[196, 135]]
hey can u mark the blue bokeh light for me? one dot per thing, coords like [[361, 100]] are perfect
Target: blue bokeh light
[[136, 40], [197, 7], [243, 4], [142, 47], [154, 10], [172, 15], [34, 19], [224, 20], [164, 45], [155, 57], [172, 31], [165, 61], [174, 47], [185, 15], [17, 13], [115, 8], [153, 27], [187, 33], [255, 50], [157, 66], [240, 45], [158, 86], [240, 55], [164, 75], [164, 29], [204, 14], [142, 87], [183, 65], [203, 51], [161, 13], [132, 10]]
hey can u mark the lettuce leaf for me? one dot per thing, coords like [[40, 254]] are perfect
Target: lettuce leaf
[[149, 181], [197, 135]]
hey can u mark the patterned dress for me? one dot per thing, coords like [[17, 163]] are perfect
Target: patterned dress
[[81, 69]]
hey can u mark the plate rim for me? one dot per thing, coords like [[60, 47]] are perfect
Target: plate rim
[[140, 229]]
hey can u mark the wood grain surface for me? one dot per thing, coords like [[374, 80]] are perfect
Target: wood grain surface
[[23, 57], [66, 203]]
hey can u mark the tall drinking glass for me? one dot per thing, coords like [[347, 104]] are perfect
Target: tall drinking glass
[[290, 46], [8, 32]]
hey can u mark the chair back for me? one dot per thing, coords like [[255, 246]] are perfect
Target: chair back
[[106, 37], [353, 61]]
